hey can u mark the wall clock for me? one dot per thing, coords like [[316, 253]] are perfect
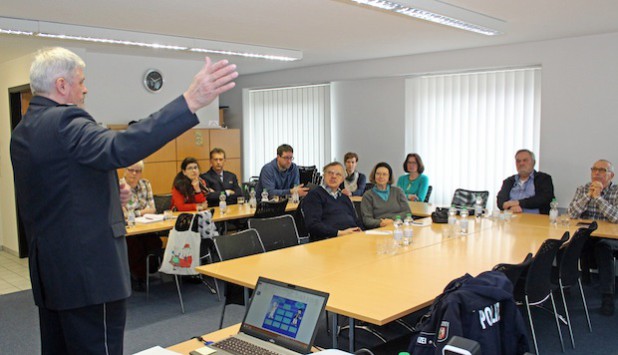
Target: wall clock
[[153, 80]]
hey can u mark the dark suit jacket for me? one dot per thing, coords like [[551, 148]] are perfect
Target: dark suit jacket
[[67, 193], [543, 192], [230, 182]]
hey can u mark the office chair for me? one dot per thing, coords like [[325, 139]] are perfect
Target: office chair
[[234, 246], [429, 189], [467, 198], [276, 232], [534, 287], [567, 273], [266, 209]]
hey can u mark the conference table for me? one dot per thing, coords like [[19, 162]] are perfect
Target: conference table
[[233, 212], [244, 211], [367, 284]]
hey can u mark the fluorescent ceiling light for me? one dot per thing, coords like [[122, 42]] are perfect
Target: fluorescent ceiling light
[[442, 13], [61, 31]]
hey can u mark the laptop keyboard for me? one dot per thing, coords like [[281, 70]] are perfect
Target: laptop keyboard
[[241, 347]]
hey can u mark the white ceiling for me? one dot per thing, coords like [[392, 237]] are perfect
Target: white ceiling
[[326, 31]]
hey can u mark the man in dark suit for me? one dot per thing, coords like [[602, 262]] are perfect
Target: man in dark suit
[[528, 191], [220, 180], [68, 197]]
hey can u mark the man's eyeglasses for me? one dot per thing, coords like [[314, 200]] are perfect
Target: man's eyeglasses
[[599, 170], [287, 158], [134, 171], [335, 173]]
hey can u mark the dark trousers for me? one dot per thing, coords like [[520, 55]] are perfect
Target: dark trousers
[[604, 251], [138, 249], [97, 329]]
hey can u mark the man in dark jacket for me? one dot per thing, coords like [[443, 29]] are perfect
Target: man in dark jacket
[[479, 308], [328, 212], [220, 180], [67, 191], [528, 191]]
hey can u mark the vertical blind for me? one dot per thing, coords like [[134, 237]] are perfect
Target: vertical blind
[[298, 116], [467, 127]]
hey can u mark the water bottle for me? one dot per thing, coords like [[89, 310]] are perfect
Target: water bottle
[[553, 211], [452, 215], [295, 197], [131, 218], [478, 207], [463, 223], [408, 232], [264, 195], [398, 232], [252, 199], [222, 203]]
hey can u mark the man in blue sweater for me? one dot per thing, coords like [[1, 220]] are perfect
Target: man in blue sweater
[[280, 177], [329, 213]]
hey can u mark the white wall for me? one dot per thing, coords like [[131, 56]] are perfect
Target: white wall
[[578, 109], [116, 95]]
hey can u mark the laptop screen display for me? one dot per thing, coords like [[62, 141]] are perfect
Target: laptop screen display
[[284, 314]]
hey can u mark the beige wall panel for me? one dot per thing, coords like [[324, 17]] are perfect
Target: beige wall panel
[[234, 165], [166, 153], [193, 143], [226, 139], [161, 176]]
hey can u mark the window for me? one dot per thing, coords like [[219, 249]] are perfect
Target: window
[[298, 116], [467, 127]]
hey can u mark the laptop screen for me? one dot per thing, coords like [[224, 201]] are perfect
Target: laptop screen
[[284, 314]]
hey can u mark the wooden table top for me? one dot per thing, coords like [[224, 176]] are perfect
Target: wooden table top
[[192, 344], [233, 212], [379, 288], [421, 209]]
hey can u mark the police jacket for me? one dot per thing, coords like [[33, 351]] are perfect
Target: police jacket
[[479, 308]]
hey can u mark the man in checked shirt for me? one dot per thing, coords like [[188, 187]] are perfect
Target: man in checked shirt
[[598, 200]]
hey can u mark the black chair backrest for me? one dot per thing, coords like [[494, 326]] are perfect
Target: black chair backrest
[[569, 259], [307, 174], [237, 245], [467, 198], [428, 193], [248, 185], [162, 202], [276, 232], [357, 208], [538, 277], [514, 271], [299, 219], [267, 209]]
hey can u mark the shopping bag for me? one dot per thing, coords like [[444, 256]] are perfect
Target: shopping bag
[[182, 253]]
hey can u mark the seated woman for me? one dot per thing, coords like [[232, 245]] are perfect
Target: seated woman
[[327, 212], [354, 182], [382, 203], [189, 190], [414, 184], [140, 202]]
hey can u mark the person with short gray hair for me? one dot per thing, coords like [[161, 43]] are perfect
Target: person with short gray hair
[[69, 199], [528, 191], [598, 200]]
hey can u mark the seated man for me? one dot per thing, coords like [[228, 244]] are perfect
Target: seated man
[[329, 213], [527, 191], [220, 180], [598, 200], [280, 177]]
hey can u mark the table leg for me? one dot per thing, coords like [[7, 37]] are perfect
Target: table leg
[[351, 335], [335, 330]]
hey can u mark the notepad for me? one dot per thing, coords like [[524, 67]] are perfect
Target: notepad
[[149, 218]]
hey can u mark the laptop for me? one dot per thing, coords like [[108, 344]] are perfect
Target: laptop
[[280, 318]]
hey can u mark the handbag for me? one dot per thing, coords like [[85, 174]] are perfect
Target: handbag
[[440, 215], [182, 253]]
